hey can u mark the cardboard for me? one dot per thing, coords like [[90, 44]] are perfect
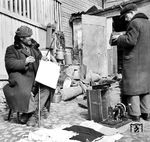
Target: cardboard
[[48, 73]]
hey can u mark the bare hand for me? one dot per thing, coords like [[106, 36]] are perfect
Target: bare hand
[[30, 59], [115, 37], [45, 58]]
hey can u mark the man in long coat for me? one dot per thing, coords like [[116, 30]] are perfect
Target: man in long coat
[[21, 62], [136, 62]]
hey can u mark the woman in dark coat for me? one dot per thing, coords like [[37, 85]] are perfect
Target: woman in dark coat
[[21, 62], [136, 62]]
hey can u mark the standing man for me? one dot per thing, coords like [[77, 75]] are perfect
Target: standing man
[[136, 62], [21, 62]]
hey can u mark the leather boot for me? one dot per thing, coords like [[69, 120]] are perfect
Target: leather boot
[[24, 117], [33, 120], [134, 118], [146, 116]]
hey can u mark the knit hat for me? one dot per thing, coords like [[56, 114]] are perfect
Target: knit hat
[[128, 8], [24, 31]]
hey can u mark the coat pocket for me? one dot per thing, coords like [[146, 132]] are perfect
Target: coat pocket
[[12, 83], [128, 57]]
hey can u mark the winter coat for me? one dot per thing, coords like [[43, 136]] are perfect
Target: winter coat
[[136, 56], [21, 76]]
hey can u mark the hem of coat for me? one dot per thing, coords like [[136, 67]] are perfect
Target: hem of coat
[[135, 93]]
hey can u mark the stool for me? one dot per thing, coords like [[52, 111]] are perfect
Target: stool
[[47, 105], [10, 113]]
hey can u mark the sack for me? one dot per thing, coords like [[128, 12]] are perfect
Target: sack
[[48, 73]]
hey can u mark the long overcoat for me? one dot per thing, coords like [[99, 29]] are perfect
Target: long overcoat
[[21, 76], [136, 56]]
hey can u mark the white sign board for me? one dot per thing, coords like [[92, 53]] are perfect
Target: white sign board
[[48, 73]]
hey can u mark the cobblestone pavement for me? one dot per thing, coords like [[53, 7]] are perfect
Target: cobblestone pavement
[[60, 114]]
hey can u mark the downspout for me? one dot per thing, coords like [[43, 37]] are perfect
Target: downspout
[[103, 4]]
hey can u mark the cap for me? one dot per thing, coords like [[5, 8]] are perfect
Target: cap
[[128, 8], [24, 31]]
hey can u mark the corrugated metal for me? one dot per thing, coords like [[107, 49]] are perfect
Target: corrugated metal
[[73, 6]]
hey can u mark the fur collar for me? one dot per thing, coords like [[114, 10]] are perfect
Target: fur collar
[[140, 15]]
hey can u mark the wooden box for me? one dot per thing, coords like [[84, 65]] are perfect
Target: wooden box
[[98, 103]]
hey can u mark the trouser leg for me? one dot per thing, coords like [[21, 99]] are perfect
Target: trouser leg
[[134, 105], [44, 95], [33, 102], [145, 103], [32, 105]]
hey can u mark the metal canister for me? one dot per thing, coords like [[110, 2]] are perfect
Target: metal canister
[[76, 73], [60, 54], [68, 57], [57, 98]]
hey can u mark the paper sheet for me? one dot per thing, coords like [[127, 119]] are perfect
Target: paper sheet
[[48, 73]]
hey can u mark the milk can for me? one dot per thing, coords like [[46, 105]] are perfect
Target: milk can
[[68, 57], [60, 54], [76, 73], [73, 71]]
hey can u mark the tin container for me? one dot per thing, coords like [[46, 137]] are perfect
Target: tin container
[[68, 57], [60, 54], [57, 98]]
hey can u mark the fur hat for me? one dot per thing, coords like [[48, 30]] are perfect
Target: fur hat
[[24, 31], [128, 8]]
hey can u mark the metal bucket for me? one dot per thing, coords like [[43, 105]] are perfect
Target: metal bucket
[[56, 98]]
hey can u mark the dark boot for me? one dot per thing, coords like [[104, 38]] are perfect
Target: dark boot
[[24, 117], [33, 120], [146, 116], [134, 118]]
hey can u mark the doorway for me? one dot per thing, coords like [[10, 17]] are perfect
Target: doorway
[[119, 25]]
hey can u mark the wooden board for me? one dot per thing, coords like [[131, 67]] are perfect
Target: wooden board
[[94, 44]]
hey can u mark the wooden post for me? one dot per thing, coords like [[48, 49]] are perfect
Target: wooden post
[[28, 8], [24, 8], [39, 108], [20, 7], [16, 6]]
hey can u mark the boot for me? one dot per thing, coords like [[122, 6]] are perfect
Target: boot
[[134, 118], [33, 120], [24, 117], [146, 116]]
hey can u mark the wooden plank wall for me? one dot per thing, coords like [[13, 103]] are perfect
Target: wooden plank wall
[[9, 22], [69, 7], [36, 14], [40, 11], [109, 3], [8, 27]]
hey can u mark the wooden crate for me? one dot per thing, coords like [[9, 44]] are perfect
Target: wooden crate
[[98, 103]]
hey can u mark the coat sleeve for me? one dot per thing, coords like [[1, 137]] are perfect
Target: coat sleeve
[[131, 37], [12, 63]]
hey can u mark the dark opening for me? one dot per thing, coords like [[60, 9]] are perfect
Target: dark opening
[[119, 25]]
